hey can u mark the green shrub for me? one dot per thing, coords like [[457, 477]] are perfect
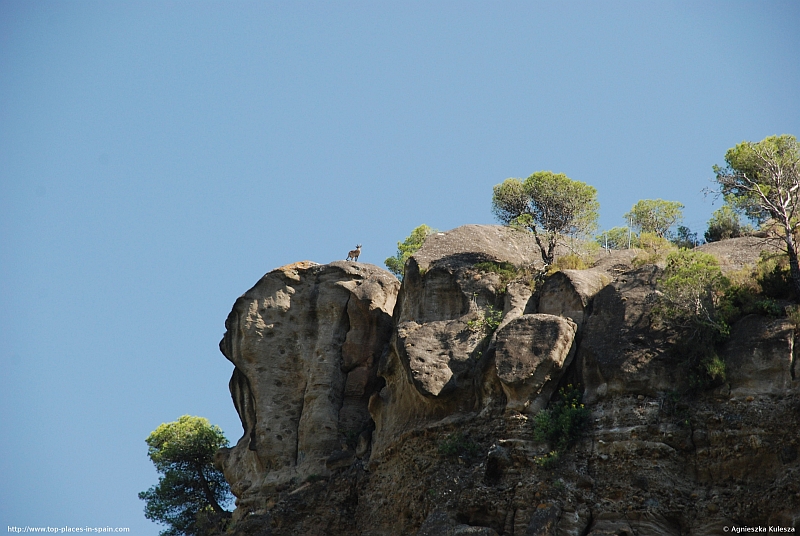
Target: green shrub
[[458, 445], [691, 287], [570, 261], [505, 270], [689, 305], [561, 424], [508, 272], [772, 274], [654, 249], [487, 320], [714, 367], [406, 248], [754, 290]]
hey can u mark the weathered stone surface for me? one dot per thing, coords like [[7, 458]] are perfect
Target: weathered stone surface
[[612, 524], [653, 460], [569, 292], [619, 352], [431, 372], [737, 253], [531, 354], [440, 524], [437, 360], [539, 521], [340, 460], [518, 295], [760, 357], [305, 341], [439, 355], [469, 244]]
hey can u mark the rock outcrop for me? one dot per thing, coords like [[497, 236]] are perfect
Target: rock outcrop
[[761, 357], [305, 342], [620, 353], [375, 408], [439, 352], [568, 293], [531, 354]]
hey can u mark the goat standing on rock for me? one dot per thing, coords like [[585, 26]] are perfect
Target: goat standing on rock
[[354, 254]]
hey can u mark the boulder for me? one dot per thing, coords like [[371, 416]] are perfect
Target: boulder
[[737, 253], [469, 244], [568, 293], [439, 355], [441, 282], [531, 353]]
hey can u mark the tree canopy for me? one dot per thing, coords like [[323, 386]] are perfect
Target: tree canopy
[[684, 238], [617, 238], [191, 491], [765, 178], [655, 216], [406, 248], [726, 222], [550, 205]]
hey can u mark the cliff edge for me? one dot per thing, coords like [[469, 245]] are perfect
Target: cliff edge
[[379, 408]]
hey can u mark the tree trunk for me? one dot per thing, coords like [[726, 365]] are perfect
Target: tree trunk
[[794, 267], [210, 494], [551, 249], [547, 253], [791, 251]]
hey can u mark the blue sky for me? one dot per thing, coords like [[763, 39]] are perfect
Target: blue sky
[[157, 158]]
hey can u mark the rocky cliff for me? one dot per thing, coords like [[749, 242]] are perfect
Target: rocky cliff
[[375, 408]]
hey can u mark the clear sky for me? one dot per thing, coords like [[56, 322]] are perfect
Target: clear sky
[[157, 158]]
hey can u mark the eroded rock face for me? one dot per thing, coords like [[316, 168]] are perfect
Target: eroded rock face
[[620, 353], [760, 357], [441, 348], [531, 354], [568, 293], [306, 341], [448, 446], [439, 355]]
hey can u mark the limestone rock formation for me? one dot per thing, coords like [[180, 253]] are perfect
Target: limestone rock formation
[[379, 409], [620, 353], [531, 354], [568, 293], [440, 350], [761, 357], [305, 342]]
